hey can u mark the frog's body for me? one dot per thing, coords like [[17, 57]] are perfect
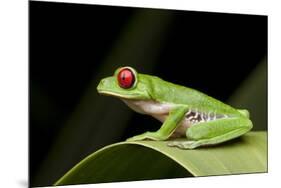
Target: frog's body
[[183, 111]]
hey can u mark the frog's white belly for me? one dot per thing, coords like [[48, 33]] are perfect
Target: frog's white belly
[[159, 111], [149, 107]]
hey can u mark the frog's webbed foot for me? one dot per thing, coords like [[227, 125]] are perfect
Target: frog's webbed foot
[[184, 144], [136, 138], [148, 136]]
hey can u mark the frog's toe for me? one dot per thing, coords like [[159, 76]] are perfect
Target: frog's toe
[[183, 144], [131, 139], [136, 138]]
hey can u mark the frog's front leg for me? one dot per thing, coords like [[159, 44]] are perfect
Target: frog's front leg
[[172, 121], [214, 132]]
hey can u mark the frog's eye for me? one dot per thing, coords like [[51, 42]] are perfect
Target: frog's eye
[[126, 78]]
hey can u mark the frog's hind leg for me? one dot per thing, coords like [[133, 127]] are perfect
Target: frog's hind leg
[[214, 132]]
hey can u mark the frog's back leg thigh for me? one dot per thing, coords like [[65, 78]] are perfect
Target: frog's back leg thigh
[[214, 132]]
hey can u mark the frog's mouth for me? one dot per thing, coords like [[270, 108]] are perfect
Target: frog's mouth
[[109, 93], [122, 96]]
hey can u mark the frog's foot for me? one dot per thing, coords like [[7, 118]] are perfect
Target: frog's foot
[[184, 144], [136, 138], [148, 136]]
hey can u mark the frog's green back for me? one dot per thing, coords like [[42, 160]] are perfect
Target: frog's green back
[[163, 91]]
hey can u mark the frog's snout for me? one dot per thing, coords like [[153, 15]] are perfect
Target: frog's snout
[[106, 84], [101, 85]]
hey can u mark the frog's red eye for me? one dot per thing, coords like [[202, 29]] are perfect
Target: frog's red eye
[[126, 78]]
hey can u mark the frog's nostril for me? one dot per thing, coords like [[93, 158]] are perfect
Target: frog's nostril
[[100, 85], [103, 81]]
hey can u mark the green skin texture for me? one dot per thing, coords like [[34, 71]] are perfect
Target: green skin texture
[[152, 88]]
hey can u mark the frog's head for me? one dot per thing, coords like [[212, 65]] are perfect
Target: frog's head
[[126, 83]]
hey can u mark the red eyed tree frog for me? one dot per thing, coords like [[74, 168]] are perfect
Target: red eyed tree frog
[[184, 112]]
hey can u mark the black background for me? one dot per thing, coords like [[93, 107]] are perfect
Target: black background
[[69, 43]]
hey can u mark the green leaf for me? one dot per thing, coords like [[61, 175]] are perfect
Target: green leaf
[[147, 160]]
